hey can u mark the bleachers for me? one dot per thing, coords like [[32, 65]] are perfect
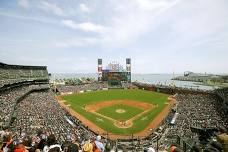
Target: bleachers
[[9, 99], [10, 74]]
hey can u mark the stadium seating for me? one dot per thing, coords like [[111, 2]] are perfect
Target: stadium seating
[[10, 74]]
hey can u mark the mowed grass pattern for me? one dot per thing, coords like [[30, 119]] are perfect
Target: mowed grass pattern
[[78, 102], [110, 111]]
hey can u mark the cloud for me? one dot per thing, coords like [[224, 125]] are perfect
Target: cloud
[[195, 25], [86, 26], [188, 31], [149, 5], [23, 3], [84, 8], [51, 7], [128, 22], [36, 19], [76, 42], [132, 19]]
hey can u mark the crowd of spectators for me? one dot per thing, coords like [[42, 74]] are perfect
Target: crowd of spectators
[[195, 111], [10, 74], [39, 110], [83, 87], [8, 100], [43, 142], [199, 111], [91, 87]]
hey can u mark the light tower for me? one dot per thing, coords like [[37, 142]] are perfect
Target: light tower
[[128, 69], [99, 70]]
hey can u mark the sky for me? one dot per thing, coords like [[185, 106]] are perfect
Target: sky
[[160, 36]]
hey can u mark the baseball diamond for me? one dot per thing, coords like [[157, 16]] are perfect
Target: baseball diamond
[[118, 112]]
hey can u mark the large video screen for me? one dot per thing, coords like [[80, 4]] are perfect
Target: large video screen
[[114, 76]]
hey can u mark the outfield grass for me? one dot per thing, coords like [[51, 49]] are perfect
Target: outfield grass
[[111, 112], [78, 102]]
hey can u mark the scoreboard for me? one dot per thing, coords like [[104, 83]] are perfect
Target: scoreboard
[[114, 74]]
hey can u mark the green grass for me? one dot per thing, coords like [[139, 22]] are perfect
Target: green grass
[[78, 102], [111, 112]]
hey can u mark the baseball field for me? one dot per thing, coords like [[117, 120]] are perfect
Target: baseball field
[[118, 111]]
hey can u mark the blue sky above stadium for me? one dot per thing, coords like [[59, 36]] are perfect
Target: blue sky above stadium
[[160, 36]]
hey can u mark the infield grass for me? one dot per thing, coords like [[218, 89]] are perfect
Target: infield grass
[[79, 101], [128, 113]]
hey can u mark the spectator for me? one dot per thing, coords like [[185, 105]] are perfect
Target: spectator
[[52, 145], [8, 143], [20, 148], [87, 147], [150, 149], [69, 146], [98, 144]]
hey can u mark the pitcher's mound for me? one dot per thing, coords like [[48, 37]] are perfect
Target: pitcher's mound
[[120, 111]]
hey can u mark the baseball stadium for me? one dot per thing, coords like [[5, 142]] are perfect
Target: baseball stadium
[[113, 76], [121, 114]]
